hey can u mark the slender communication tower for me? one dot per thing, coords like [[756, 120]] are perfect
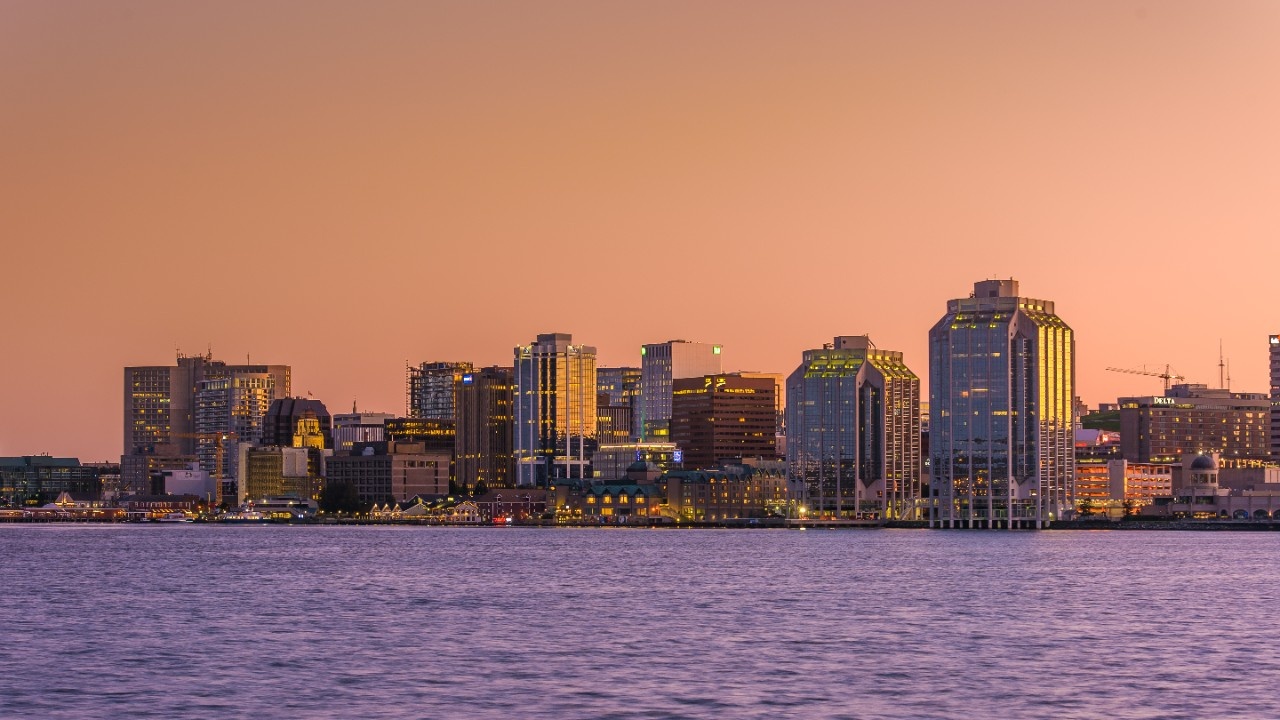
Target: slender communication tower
[[1222, 368]]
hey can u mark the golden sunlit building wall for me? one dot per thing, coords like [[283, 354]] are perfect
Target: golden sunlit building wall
[[555, 409]]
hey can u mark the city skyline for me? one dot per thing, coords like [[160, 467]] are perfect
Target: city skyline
[[739, 169]]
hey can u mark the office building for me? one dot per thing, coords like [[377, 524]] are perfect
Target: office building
[[1192, 420], [613, 422], [723, 418], [611, 462], [38, 479], [555, 409], [1275, 396], [1001, 384], [622, 386], [272, 472], [853, 430], [432, 389], [359, 427], [384, 472], [281, 423], [483, 442], [660, 365]]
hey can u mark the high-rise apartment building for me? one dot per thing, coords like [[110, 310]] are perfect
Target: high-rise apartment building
[[660, 365], [555, 409], [186, 409], [1001, 383], [432, 389], [483, 443], [720, 418], [231, 407], [1194, 419], [853, 430]]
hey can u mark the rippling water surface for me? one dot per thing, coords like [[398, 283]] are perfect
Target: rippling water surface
[[342, 622]]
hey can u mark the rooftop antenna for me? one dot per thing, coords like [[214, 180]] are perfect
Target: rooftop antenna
[[1228, 373], [1222, 380]]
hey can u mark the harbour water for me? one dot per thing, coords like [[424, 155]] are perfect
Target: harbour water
[[107, 621]]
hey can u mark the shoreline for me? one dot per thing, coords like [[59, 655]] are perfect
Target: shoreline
[[744, 524]]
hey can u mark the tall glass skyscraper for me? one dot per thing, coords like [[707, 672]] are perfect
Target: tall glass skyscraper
[[853, 430], [555, 409], [1001, 383], [660, 364]]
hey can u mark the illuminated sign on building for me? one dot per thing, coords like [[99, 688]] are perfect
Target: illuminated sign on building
[[468, 379], [1164, 401]]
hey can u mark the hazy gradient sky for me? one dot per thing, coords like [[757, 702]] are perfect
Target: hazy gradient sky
[[346, 186]]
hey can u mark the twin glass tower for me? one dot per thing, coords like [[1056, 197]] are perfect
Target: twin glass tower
[[1001, 386], [1001, 451]]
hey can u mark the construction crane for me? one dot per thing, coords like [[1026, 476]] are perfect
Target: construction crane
[[1167, 375], [219, 439]]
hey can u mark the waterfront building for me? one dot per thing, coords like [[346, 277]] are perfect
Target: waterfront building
[[268, 472], [39, 479], [1139, 484], [853, 426], [1194, 419], [509, 503], [432, 390], [1094, 450], [1002, 380], [661, 364], [724, 494], [620, 503], [385, 472], [723, 417], [138, 472], [281, 424], [187, 481], [359, 427], [555, 409], [611, 462], [483, 440]]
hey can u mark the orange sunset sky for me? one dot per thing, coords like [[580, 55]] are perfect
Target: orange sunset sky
[[346, 186]]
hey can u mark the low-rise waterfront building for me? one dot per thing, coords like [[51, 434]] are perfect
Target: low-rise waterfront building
[[38, 479], [390, 471]]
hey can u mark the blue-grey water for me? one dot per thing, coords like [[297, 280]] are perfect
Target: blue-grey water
[[346, 622]]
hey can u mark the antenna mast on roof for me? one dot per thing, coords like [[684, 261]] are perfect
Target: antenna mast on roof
[[1222, 379]]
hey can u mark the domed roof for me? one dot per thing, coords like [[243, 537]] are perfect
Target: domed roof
[[1204, 462]]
